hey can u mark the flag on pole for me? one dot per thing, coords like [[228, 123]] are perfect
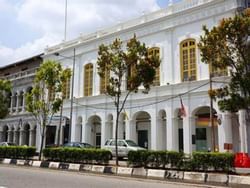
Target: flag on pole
[[182, 109]]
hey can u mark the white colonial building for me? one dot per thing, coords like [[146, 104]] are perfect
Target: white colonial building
[[153, 120]]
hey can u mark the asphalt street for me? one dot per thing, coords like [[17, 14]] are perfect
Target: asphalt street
[[20, 177]]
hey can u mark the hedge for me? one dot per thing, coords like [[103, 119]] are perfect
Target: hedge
[[205, 161], [157, 159], [77, 155], [199, 161], [17, 152]]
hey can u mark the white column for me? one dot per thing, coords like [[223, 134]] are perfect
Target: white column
[[131, 130], [24, 102], [154, 132], [17, 102], [57, 134], [11, 103], [73, 127], [31, 137], [21, 135], [188, 131], [38, 138], [225, 133], [120, 129], [84, 139], [103, 132], [243, 131], [16, 137], [172, 133], [10, 136]]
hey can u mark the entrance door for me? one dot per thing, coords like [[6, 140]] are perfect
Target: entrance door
[[50, 135], [201, 139], [98, 140], [143, 138], [180, 139]]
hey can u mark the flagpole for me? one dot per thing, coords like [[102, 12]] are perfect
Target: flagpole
[[65, 20]]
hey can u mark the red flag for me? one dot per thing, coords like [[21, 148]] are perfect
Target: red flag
[[182, 109]]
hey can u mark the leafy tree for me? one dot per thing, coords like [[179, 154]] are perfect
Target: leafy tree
[[227, 45], [42, 101], [134, 64], [5, 89]]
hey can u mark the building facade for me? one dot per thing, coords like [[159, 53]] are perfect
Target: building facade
[[154, 120], [19, 126]]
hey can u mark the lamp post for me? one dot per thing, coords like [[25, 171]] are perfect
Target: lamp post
[[72, 89]]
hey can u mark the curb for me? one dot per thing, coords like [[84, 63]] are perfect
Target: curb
[[199, 177]]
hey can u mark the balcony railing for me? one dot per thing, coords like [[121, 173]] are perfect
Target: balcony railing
[[22, 74]]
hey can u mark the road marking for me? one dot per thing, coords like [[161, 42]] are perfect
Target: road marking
[[3, 187]]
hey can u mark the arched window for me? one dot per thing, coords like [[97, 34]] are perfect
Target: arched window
[[188, 60], [88, 79], [155, 51], [104, 82]]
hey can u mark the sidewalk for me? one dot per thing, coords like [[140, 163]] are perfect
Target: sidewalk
[[123, 170]]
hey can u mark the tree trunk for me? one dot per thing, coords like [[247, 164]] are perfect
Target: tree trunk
[[41, 145], [60, 125], [116, 137]]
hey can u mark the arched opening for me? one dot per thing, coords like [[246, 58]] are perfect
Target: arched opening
[[26, 134], [206, 135], [93, 130], [143, 129], [162, 136], [5, 133]]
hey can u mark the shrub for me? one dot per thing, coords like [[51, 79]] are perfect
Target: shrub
[[212, 161], [156, 159], [17, 152], [77, 155]]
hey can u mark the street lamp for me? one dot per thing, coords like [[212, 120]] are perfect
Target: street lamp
[[72, 88]]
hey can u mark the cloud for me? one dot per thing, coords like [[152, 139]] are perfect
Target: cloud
[[84, 16]]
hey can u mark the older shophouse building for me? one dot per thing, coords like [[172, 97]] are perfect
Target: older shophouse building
[[154, 120], [19, 126]]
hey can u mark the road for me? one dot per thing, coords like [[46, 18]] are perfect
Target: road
[[21, 177]]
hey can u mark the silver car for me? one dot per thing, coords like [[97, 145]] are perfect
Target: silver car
[[124, 146]]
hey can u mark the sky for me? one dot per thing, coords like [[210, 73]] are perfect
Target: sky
[[28, 26]]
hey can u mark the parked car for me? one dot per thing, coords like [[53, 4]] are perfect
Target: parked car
[[124, 146], [7, 144], [78, 145]]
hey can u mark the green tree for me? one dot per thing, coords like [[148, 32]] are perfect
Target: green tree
[[5, 89], [134, 64], [227, 45], [42, 101]]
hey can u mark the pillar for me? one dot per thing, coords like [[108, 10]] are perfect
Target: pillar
[[103, 132], [11, 103], [10, 136], [243, 131], [188, 131], [31, 137], [24, 103], [120, 129], [154, 133], [73, 128], [21, 137], [172, 133], [225, 131], [16, 137], [17, 102], [131, 130]]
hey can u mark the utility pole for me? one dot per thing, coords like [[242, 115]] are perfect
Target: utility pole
[[65, 20], [211, 109]]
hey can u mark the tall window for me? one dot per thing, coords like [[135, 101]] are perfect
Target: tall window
[[88, 79], [66, 91], [155, 51], [104, 82], [188, 60], [130, 74]]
